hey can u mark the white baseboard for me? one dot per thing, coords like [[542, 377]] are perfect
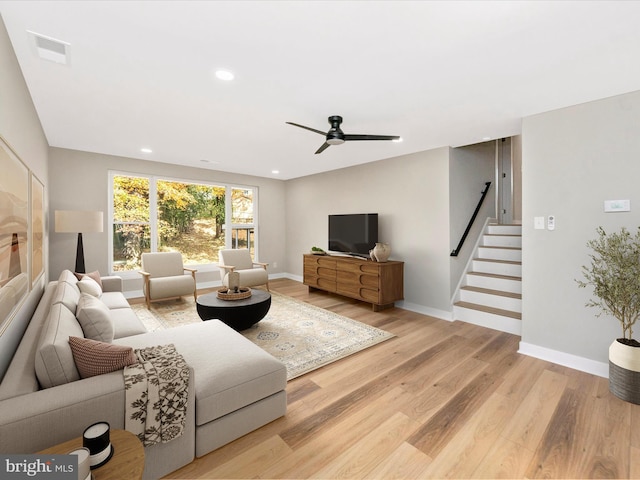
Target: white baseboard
[[432, 312], [565, 359]]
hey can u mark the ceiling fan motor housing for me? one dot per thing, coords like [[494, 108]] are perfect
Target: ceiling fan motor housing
[[335, 136]]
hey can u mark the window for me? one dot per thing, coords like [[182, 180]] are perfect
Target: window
[[152, 214]]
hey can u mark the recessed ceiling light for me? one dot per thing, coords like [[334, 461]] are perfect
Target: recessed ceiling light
[[486, 139], [146, 150], [225, 75], [275, 172]]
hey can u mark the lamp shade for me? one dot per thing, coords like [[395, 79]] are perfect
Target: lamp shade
[[78, 221]]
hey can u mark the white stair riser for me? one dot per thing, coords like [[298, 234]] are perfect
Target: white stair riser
[[488, 320], [504, 229], [513, 270], [488, 300], [500, 254], [502, 241], [503, 284]]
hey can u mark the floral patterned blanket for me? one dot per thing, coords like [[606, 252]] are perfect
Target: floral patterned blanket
[[156, 390]]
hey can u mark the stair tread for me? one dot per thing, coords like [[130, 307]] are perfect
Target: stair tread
[[499, 247], [492, 310], [502, 235], [495, 275], [490, 291], [510, 262]]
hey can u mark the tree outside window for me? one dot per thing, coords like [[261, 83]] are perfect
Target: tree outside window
[[166, 215]]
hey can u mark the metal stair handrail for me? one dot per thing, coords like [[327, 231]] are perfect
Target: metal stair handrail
[[455, 252]]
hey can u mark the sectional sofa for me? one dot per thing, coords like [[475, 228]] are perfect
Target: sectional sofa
[[235, 386]]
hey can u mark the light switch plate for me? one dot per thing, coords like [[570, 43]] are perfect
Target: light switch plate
[[617, 205], [538, 223]]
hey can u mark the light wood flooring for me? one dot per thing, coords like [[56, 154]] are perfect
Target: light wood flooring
[[441, 400]]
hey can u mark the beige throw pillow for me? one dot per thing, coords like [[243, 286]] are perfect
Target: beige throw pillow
[[95, 318], [95, 275], [95, 358], [90, 286]]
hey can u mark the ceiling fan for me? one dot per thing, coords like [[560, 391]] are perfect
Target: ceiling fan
[[335, 136]]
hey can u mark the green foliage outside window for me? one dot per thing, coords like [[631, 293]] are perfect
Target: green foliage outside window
[[190, 219]]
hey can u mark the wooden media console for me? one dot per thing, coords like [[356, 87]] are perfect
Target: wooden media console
[[378, 283]]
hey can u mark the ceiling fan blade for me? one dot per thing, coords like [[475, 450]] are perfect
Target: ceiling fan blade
[[370, 137], [324, 146], [307, 128]]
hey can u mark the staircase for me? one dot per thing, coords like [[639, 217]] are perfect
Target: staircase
[[491, 293]]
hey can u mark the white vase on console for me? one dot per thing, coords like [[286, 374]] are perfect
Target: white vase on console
[[381, 252]]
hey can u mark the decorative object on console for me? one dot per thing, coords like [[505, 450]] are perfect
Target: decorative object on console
[[84, 462], [78, 221], [96, 439], [381, 252]]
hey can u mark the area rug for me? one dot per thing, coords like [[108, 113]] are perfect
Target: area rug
[[304, 337]]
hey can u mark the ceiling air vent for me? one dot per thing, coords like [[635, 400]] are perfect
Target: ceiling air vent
[[51, 49]]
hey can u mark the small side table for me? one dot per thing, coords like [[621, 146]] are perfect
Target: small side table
[[127, 461]]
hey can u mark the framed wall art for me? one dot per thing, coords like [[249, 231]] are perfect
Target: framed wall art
[[14, 226], [37, 229]]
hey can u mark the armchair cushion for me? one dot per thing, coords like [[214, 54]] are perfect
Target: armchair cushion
[[163, 264], [249, 278], [171, 286], [239, 258]]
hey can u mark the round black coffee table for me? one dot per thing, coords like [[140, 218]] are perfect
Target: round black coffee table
[[238, 314]]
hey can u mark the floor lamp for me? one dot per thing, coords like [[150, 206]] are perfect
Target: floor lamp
[[78, 221]]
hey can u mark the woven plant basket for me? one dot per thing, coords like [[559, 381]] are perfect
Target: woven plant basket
[[624, 372]]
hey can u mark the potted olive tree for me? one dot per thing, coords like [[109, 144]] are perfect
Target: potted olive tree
[[614, 274]]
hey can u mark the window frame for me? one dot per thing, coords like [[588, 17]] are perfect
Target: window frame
[[153, 215]]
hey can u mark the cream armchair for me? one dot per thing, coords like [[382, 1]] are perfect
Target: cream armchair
[[165, 277], [239, 260]]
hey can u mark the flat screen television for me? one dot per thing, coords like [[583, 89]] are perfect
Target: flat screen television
[[354, 233]]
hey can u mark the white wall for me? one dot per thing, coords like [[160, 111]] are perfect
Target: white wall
[[20, 127], [470, 168], [411, 195], [573, 160], [80, 180]]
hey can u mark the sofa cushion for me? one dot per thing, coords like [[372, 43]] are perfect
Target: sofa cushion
[[94, 318], [54, 360], [230, 371], [68, 277], [95, 358], [114, 300], [126, 323], [68, 295], [90, 286]]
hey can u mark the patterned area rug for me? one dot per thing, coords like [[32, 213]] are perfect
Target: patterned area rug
[[302, 336]]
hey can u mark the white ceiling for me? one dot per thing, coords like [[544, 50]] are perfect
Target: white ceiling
[[140, 74]]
